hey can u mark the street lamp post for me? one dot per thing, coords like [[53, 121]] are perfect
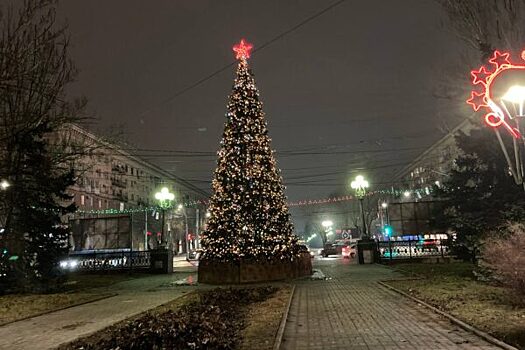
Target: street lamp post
[[165, 197], [384, 205], [327, 224], [359, 185], [181, 209]]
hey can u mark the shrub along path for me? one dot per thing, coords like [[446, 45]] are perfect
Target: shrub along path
[[50, 330]]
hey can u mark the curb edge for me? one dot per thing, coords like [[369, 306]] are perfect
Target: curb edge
[[280, 332]]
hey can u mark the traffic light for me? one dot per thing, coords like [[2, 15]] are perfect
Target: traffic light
[[388, 230]]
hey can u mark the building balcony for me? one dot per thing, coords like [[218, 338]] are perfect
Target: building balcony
[[118, 183]]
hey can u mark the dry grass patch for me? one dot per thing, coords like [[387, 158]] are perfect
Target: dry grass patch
[[453, 288], [78, 289], [16, 307], [263, 320]]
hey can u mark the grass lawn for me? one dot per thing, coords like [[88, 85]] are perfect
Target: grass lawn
[[263, 321], [454, 289], [77, 290]]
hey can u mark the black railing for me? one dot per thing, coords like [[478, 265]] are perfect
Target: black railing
[[107, 260], [413, 249]]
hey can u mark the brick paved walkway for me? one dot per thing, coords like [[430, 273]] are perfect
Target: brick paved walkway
[[352, 311], [50, 330]]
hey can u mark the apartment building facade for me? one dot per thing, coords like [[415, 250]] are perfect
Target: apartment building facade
[[115, 196], [431, 167]]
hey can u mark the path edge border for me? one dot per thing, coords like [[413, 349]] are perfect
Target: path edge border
[[102, 297], [453, 319], [280, 332]]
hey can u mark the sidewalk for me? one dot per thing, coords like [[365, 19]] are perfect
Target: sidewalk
[[352, 311], [50, 330]]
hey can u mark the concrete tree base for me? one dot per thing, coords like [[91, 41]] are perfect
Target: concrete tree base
[[247, 271]]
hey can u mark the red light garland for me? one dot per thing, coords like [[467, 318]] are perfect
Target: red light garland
[[495, 116]]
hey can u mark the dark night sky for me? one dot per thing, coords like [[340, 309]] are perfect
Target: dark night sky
[[358, 78]]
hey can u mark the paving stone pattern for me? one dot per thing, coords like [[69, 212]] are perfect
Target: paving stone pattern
[[352, 311]]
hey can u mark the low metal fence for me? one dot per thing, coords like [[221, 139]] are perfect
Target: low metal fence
[[107, 260], [413, 249]]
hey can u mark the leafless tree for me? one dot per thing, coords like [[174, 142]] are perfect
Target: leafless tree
[[35, 68], [489, 24]]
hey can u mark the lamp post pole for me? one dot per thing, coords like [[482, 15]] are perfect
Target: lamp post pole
[[359, 185], [363, 216], [183, 211], [384, 214]]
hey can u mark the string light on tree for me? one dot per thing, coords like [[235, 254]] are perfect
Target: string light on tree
[[249, 216]]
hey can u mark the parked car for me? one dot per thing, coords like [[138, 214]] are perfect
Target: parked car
[[349, 251], [195, 254], [303, 248], [329, 249]]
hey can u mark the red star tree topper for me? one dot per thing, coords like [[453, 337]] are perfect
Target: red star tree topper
[[242, 50], [496, 115]]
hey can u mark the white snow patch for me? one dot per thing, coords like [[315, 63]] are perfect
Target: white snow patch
[[317, 275]]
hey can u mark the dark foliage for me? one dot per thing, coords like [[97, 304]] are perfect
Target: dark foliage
[[213, 322], [479, 195]]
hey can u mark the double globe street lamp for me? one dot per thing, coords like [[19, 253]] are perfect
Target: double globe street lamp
[[327, 224], [359, 185], [165, 198]]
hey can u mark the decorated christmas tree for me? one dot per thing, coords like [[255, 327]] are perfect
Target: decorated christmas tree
[[249, 215]]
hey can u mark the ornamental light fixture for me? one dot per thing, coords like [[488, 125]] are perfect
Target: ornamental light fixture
[[165, 197], [327, 223], [359, 185], [499, 91]]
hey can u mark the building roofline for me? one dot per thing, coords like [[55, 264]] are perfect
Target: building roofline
[[405, 170], [154, 168]]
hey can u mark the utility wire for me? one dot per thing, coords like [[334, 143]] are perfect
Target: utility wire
[[257, 49]]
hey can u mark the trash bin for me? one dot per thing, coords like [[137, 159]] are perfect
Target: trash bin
[[367, 251], [161, 261]]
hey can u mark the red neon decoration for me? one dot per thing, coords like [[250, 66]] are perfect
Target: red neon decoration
[[477, 100], [499, 59], [495, 116], [242, 50]]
